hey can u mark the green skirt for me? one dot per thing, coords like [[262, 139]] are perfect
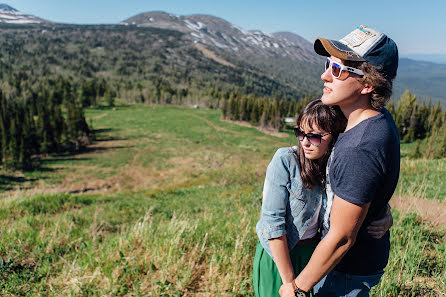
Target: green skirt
[[266, 277]]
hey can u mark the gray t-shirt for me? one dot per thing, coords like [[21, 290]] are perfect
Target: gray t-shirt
[[364, 167]]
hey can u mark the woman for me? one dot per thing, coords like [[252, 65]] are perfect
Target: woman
[[293, 194]]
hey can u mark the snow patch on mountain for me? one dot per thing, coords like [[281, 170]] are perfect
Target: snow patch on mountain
[[217, 44], [222, 35], [196, 27], [12, 16]]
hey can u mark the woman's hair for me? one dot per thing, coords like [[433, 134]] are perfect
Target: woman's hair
[[372, 76], [327, 118]]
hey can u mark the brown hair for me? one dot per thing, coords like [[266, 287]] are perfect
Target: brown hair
[[327, 118], [373, 77]]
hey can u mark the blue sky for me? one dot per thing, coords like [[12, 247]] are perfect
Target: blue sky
[[416, 26]]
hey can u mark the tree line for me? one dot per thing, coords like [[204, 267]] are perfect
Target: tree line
[[422, 122], [41, 119], [264, 112]]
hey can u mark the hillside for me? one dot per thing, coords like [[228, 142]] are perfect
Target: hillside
[[285, 56], [135, 60], [165, 204], [160, 55], [11, 15], [425, 79], [220, 34]]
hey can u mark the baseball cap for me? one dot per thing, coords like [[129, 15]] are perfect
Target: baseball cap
[[363, 44]]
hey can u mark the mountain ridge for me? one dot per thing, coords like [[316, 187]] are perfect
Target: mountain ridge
[[282, 56], [11, 15], [217, 32]]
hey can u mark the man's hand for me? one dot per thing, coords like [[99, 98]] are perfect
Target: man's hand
[[378, 228]]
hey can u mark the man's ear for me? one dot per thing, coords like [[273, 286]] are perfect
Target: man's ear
[[367, 89]]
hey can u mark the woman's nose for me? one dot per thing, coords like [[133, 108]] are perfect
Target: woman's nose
[[306, 142]]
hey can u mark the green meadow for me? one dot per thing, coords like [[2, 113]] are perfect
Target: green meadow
[[164, 203]]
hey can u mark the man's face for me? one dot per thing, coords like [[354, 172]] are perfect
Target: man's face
[[340, 91]]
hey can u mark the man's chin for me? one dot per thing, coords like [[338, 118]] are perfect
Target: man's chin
[[326, 101]]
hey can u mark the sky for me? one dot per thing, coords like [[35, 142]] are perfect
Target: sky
[[418, 27]]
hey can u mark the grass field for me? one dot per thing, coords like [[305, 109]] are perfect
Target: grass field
[[164, 203]]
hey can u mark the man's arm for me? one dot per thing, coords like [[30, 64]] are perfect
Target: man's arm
[[345, 220]]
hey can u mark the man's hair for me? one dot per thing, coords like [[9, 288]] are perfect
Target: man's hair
[[373, 77]]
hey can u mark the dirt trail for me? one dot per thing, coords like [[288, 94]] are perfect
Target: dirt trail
[[431, 211]]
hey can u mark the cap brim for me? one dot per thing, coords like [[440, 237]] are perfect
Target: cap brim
[[326, 47]]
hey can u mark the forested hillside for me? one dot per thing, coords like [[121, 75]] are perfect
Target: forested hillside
[[50, 72], [138, 64]]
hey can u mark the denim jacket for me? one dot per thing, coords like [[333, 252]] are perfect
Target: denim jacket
[[287, 207]]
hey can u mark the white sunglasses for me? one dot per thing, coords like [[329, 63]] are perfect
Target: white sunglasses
[[336, 68]]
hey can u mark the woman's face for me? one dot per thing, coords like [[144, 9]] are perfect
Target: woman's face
[[313, 151]]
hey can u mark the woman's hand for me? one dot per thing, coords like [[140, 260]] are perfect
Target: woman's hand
[[378, 228], [287, 290]]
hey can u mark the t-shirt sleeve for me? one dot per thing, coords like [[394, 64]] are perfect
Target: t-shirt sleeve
[[355, 175]]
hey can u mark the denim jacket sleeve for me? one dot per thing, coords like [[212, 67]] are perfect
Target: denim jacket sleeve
[[275, 196]]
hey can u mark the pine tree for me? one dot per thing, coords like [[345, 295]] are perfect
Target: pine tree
[[225, 109], [390, 106], [410, 135], [13, 143], [436, 143], [109, 97], [234, 107], [4, 128], [265, 117], [421, 117], [291, 108], [404, 111]]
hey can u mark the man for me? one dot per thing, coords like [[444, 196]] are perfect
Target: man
[[363, 169]]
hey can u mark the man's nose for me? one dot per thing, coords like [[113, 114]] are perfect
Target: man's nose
[[326, 75]]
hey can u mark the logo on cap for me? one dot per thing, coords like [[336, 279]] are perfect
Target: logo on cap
[[357, 37]]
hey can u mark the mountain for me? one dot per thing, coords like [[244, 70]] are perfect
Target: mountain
[[218, 33], [279, 63], [424, 79], [433, 58], [138, 64], [13, 16], [285, 57]]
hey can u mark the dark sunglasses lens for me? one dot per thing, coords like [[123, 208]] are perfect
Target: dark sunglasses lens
[[336, 69], [296, 132], [314, 139], [327, 64], [299, 134]]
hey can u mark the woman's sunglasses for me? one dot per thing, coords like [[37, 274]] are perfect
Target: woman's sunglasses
[[337, 69], [314, 139]]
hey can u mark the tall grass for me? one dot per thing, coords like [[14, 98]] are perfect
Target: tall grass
[[422, 178], [417, 265], [171, 197]]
